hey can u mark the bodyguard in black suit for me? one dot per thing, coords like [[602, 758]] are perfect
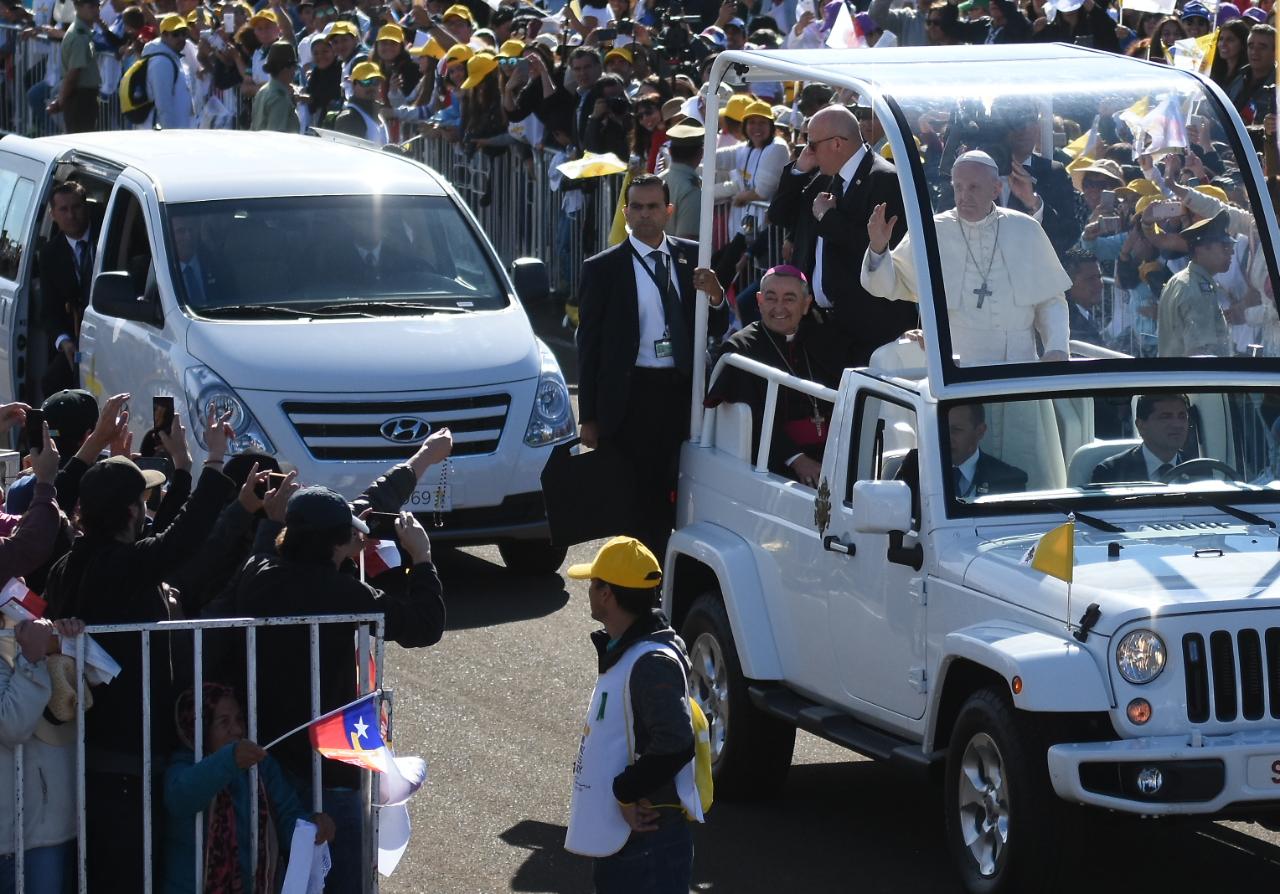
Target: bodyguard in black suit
[[824, 200], [635, 351], [1163, 422], [1036, 185], [66, 264], [970, 477]]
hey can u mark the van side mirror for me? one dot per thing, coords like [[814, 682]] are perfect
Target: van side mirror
[[880, 507], [114, 295], [532, 284]]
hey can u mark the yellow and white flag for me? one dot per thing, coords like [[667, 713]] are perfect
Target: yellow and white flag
[[1055, 553]]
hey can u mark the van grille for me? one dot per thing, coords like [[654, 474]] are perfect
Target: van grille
[[334, 430], [1233, 677]]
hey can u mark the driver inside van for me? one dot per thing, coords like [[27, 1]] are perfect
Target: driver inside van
[[790, 338], [1163, 422]]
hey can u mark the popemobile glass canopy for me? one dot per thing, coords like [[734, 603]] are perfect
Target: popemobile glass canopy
[[1099, 150]]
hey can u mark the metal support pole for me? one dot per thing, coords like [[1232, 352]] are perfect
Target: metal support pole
[[197, 732], [317, 792], [146, 762], [251, 694]]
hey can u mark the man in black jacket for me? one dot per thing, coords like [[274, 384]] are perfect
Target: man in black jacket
[[974, 473], [1033, 183], [635, 351], [824, 199], [66, 265], [1163, 422]]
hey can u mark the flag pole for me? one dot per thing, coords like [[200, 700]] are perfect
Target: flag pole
[[335, 711], [1071, 520]]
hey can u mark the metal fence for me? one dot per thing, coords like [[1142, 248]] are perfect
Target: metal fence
[[369, 635]]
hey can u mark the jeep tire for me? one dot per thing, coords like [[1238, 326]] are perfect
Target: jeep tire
[[751, 751], [532, 556], [1001, 811]]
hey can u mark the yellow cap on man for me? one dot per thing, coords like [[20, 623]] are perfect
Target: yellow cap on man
[[623, 562]]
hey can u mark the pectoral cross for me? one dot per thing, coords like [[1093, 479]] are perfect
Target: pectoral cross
[[982, 292], [817, 421]]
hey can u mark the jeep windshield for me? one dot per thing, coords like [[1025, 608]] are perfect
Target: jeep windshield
[[329, 256], [1090, 450]]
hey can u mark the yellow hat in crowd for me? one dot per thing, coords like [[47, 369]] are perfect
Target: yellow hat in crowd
[[621, 53], [1145, 202], [264, 17], [479, 67], [1142, 187], [200, 16], [757, 109], [511, 49], [459, 11], [459, 52], [737, 103], [623, 562], [172, 22], [391, 32], [1216, 191], [431, 48], [366, 71], [344, 27]]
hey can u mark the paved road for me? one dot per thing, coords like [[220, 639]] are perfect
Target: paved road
[[496, 708]]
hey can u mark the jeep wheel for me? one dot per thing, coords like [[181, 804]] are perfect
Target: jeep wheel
[[532, 556], [1000, 808], [750, 751]]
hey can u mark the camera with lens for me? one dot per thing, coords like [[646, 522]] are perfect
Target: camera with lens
[[674, 45], [618, 105]]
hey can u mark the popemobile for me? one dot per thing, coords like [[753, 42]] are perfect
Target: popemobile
[[1045, 570]]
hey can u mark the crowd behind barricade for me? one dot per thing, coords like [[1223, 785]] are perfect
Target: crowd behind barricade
[[107, 532]]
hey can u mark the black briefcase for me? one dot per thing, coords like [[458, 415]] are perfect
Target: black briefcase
[[588, 495]]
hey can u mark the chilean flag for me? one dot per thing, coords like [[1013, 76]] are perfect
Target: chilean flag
[[845, 33], [352, 735], [19, 603]]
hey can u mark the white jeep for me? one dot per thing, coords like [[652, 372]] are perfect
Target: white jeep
[[891, 612]]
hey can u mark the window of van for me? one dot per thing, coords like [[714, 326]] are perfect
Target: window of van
[[330, 255], [15, 205]]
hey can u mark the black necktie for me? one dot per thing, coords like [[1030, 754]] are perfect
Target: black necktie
[[837, 186], [957, 478], [1163, 469], [681, 344]]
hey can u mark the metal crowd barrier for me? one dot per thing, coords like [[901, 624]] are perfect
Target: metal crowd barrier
[[369, 644]]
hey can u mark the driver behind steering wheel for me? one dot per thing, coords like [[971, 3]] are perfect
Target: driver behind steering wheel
[[1163, 422]]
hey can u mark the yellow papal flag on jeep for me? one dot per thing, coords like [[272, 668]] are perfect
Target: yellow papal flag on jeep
[[1055, 554]]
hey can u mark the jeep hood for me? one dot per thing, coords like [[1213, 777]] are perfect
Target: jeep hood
[[1152, 570], [401, 353]]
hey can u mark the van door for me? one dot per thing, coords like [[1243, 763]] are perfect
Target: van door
[[21, 182], [877, 620], [119, 355]]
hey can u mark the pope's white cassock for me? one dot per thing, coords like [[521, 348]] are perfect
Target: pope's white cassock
[[1004, 285]]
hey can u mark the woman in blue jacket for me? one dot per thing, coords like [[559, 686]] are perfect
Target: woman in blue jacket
[[219, 786]]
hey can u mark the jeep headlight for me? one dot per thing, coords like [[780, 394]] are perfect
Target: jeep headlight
[[552, 416], [1140, 656], [205, 390]]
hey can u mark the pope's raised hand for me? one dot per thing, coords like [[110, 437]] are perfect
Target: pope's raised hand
[[880, 229]]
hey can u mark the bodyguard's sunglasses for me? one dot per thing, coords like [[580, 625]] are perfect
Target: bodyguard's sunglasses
[[369, 82]]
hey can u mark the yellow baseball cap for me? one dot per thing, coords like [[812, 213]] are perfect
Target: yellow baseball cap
[[264, 17], [431, 48], [391, 32], [737, 103], [460, 11], [759, 108], [366, 71], [459, 52], [343, 27], [479, 67], [1142, 187], [1216, 191], [621, 53], [511, 49], [623, 562], [172, 22], [200, 16], [1145, 202]]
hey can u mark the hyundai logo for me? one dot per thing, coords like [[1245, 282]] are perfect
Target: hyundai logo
[[405, 430]]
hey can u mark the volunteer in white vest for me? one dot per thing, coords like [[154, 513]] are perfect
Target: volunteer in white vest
[[633, 781]]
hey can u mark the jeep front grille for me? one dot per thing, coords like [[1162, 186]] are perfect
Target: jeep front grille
[[1234, 676]]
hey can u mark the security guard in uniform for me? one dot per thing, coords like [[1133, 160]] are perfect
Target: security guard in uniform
[[1190, 319]]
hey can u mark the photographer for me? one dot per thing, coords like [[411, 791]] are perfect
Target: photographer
[[611, 123]]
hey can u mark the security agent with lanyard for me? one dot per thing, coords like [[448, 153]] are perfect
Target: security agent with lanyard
[[635, 351], [634, 792]]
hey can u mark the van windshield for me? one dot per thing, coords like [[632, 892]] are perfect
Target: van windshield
[[1111, 448], [370, 254]]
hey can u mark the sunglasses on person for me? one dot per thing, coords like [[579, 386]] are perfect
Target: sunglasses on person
[[369, 82], [814, 144]]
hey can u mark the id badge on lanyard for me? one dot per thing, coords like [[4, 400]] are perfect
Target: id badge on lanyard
[[662, 348]]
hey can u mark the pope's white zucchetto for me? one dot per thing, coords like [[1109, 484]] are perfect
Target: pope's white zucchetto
[[977, 157]]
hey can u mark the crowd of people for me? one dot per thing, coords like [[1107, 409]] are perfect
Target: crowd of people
[[107, 535]]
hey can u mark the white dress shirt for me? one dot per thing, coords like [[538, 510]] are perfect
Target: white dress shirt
[[1154, 462], [653, 316], [847, 171]]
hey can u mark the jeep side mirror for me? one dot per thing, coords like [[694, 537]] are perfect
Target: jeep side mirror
[[114, 295], [532, 284], [880, 507]]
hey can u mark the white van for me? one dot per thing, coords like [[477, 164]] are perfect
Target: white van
[[335, 360]]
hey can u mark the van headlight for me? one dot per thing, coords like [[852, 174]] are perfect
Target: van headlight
[[552, 416], [1140, 657], [206, 389]]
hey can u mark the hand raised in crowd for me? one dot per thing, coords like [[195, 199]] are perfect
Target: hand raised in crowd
[[248, 495], [413, 538], [69, 628], [325, 828], [33, 638], [122, 443], [1195, 164], [1022, 186], [12, 414], [276, 501], [217, 434], [805, 20], [705, 280], [249, 754], [113, 418], [45, 459], [174, 442], [433, 450], [880, 230]]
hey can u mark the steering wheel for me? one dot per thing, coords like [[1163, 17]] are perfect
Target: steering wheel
[[1199, 467]]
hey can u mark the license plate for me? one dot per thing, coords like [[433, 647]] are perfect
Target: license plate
[[430, 498], [1264, 771]]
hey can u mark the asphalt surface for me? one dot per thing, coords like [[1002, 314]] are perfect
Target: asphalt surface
[[496, 709]]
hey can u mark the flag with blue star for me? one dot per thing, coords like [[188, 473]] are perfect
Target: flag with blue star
[[352, 735]]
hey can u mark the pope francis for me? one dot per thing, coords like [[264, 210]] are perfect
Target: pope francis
[[1002, 278]]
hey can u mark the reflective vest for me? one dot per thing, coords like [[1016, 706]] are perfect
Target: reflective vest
[[596, 825]]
